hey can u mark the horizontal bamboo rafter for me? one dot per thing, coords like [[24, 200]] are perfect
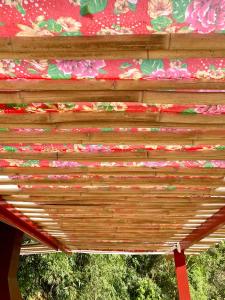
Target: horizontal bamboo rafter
[[150, 97], [110, 85], [92, 179], [126, 46]]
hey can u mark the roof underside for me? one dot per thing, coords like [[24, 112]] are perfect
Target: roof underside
[[112, 143]]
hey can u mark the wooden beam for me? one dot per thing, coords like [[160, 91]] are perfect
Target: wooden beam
[[149, 97], [150, 117], [150, 197], [107, 133], [11, 239], [195, 41], [68, 96], [84, 138], [213, 181], [113, 170], [119, 85], [126, 46], [160, 97]]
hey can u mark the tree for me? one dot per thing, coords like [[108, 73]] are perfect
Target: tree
[[119, 277]]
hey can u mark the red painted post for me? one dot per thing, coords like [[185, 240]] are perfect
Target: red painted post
[[182, 275], [10, 243]]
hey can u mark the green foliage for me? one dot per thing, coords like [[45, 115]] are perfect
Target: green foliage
[[48, 277], [105, 278], [148, 290], [115, 277]]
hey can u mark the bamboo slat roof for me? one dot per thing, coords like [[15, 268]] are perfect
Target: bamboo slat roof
[[112, 122]]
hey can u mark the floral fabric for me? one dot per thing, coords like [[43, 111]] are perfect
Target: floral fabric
[[4, 163], [51, 18], [98, 107], [110, 17], [99, 148], [147, 69]]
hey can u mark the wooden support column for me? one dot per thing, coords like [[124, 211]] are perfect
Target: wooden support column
[[182, 275], [10, 242]]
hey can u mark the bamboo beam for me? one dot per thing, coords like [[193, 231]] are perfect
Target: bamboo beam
[[126, 46], [119, 85], [113, 170], [149, 117], [153, 197], [118, 191], [213, 181], [82, 138], [149, 97], [69, 96], [208, 98]]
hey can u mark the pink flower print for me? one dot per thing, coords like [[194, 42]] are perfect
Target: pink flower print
[[210, 109], [81, 68], [206, 16], [175, 73], [171, 73]]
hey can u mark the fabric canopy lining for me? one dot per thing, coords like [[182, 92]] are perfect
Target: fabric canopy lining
[[107, 152]]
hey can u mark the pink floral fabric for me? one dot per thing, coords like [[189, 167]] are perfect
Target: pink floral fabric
[[32, 18], [147, 69], [102, 148], [109, 17], [99, 107], [205, 16], [8, 163], [82, 68]]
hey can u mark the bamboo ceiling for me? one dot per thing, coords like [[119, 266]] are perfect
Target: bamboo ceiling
[[112, 121]]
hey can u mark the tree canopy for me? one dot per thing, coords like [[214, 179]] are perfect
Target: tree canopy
[[119, 277]]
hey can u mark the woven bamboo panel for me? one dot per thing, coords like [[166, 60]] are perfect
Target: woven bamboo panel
[[114, 163]]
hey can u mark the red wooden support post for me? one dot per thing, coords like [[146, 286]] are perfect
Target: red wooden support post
[[182, 275], [10, 242]]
